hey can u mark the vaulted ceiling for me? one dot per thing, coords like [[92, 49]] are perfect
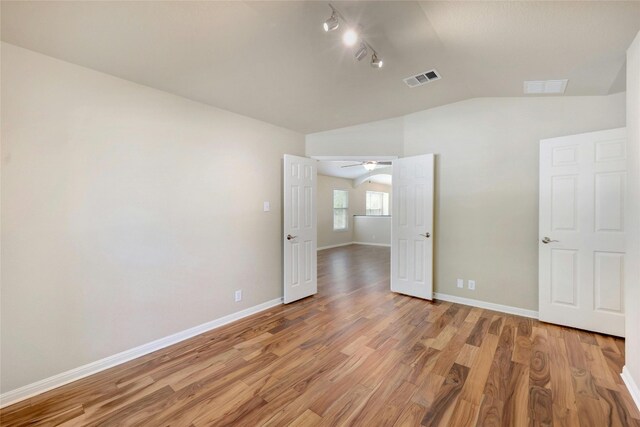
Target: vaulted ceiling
[[272, 60]]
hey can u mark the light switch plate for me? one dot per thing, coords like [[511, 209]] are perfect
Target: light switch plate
[[266, 206]]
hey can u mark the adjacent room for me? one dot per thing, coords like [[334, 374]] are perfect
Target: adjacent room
[[304, 213], [354, 203]]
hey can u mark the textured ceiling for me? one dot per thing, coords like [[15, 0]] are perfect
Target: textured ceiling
[[273, 62]]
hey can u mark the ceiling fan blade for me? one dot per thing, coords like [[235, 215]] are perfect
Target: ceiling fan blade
[[384, 163], [350, 166]]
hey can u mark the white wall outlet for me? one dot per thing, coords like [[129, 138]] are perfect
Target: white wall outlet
[[266, 206], [239, 295], [472, 285], [461, 283]]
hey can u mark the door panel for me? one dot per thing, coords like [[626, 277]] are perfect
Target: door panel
[[582, 205], [300, 231], [609, 196], [412, 226], [609, 284], [564, 272], [564, 208], [611, 150]]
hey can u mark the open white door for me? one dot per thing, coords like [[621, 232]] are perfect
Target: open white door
[[582, 224], [300, 230], [412, 226]]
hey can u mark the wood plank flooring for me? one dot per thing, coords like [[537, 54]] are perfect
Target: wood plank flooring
[[357, 354]]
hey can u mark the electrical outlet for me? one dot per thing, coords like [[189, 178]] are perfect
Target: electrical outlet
[[239, 295], [461, 283], [266, 206], [472, 285]]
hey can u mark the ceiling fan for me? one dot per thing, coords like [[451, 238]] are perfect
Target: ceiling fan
[[369, 165]]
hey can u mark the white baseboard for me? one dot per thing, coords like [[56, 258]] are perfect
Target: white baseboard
[[335, 246], [634, 389], [487, 305], [75, 374], [373, 244]]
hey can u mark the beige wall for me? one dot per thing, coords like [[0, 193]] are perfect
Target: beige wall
[[632, 291], [486, 222], [487, 185], [128, 214], [326, 184], [380, 138]]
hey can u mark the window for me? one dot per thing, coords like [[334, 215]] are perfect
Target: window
[[340, 210], [377, 203]]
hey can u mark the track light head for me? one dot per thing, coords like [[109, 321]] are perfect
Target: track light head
[[331, 23], [350, 37], [375, 61], [361, 52]]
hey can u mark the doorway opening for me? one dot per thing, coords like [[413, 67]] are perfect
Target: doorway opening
[[334, 202], [354, 208]]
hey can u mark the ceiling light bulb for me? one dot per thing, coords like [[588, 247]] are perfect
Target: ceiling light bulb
[[350, 37], [369, 165], [375, 61], [331, 23], [362, 52]]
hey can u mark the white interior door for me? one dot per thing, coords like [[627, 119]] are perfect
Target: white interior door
[[300, 229], [412, 226], [581, 247]]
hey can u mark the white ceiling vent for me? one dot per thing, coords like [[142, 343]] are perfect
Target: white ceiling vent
[[545, 86], [422, 78]]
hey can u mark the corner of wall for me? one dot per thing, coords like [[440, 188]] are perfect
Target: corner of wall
[[631, 372]]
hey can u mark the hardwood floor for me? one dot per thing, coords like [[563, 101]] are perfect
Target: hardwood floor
[[357, 354]]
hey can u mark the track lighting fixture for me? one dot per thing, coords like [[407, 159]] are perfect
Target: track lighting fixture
[[361, 52], [350, 37], [331, 23], [375, 61]]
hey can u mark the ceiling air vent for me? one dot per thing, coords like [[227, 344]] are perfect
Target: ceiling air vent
[[422, 78], [545, 86]]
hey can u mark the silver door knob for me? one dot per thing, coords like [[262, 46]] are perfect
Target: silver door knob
[[547, 240], [427, 235], [290, 237]]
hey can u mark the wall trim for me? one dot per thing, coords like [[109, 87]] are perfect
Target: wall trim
[[633, 388], [334, 246], [487, 305], [30, 390], [387, 245]]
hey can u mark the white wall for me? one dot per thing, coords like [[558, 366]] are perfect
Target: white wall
[[486, 223], [632, 320], [374, 230], [380, 138], [327, 236], [128, 214]]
